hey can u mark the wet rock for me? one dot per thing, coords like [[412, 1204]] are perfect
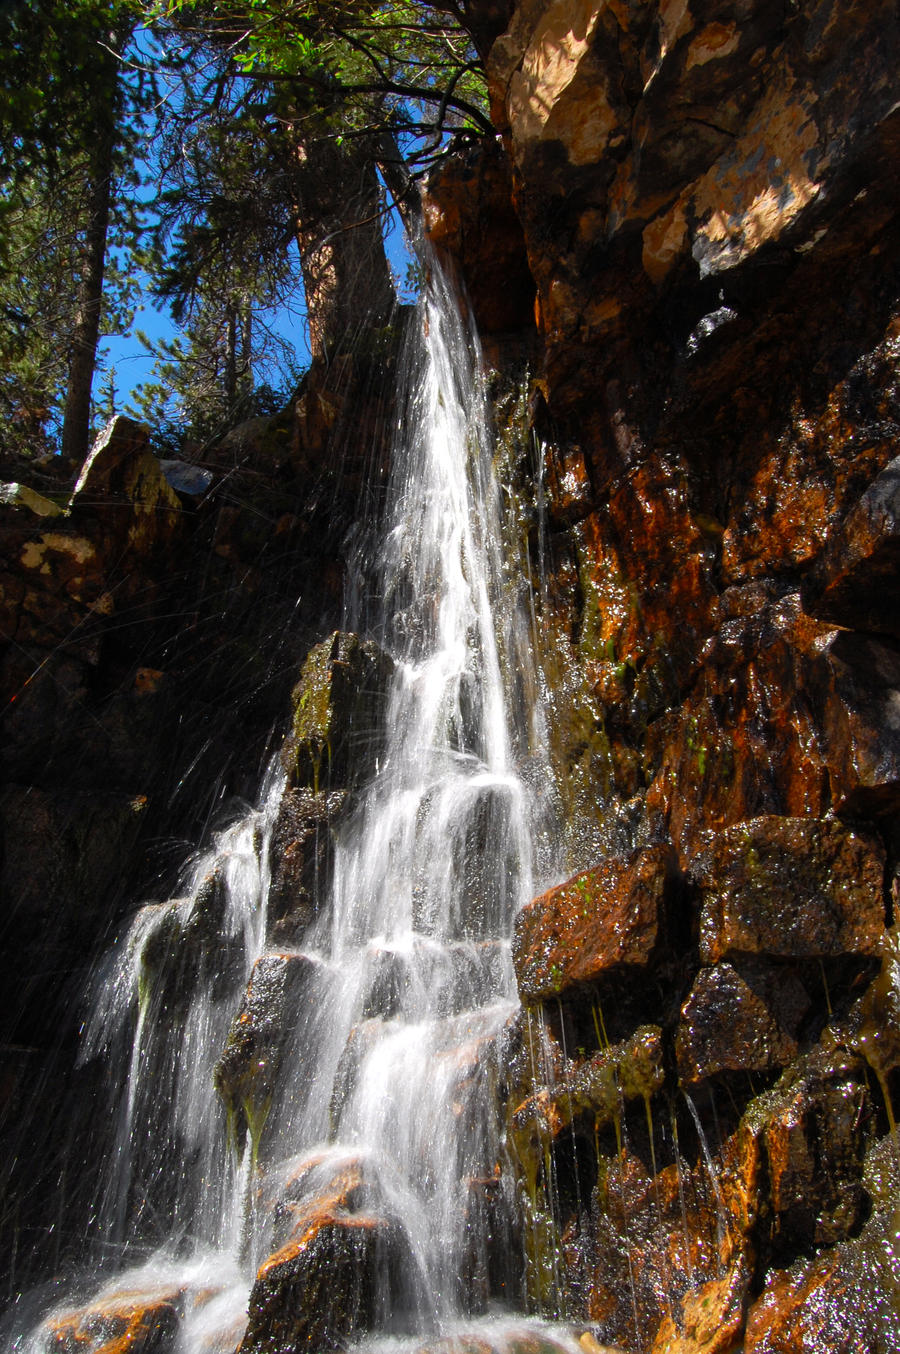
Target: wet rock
[[872, 1026], [603, 919], [134, 1321], [727, 1026], [187, 944], [329, 1282], [597, 1088], [840, 1302], [469, 218], [326, 1180], [710, 1319], [247, 1072], [810, 1131], [339, 709], [302, 856], [855, 581], [862, 724], [790, 887]]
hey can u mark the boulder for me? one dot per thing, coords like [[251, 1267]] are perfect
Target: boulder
[[727, 1026], [339, 704], [604, 919], [121, 468], [142, 1323], [791, 888], [247, 1072], [339, 1274]]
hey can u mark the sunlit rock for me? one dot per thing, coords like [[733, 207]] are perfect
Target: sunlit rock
[[710, 1318], [604, 919], [121, 468], [790, 887], [845, 1298]]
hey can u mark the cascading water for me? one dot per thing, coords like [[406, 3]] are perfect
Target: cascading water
[[404, 985]]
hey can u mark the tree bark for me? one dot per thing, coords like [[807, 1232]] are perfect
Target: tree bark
[[339, 231], [86, 330]]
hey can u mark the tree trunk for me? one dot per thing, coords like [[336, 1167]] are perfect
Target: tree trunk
[[86, 330], [339, 217]]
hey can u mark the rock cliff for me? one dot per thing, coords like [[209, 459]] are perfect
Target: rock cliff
[[705, 203]]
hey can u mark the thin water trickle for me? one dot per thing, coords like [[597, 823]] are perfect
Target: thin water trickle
[[392, 1059]]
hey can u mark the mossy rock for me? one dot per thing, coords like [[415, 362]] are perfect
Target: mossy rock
[[339, 706]]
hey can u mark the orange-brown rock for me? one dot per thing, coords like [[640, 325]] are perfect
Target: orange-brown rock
[[121, 1323], [601, 920], [790, 887], [727, 1026], [844, 1301], [671, 142], [470, 220], [710, 1318], [854, 582], [329, 1282]]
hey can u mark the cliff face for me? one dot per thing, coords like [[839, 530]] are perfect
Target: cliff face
[[709, 218]]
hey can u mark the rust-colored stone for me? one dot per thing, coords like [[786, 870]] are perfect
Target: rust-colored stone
[[470, 220], [727, 1026], [790, 887], [597, 921], [125, 1322], [710, 1318]]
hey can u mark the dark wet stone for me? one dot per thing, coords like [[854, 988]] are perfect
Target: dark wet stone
[[341, 1273], [856, 581], [339, 704], [790, 887], [302, 853], [727, 1026], [247, 1072]]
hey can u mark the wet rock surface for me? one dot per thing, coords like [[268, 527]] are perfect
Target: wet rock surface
[[790, 888], [246, 1075], [599, 920], [324, 1282], [339, 711]]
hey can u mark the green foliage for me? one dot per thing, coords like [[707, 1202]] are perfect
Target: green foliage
[[64, 95], [369, 66]]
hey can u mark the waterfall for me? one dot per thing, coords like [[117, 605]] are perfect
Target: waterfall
[[386, 1109]]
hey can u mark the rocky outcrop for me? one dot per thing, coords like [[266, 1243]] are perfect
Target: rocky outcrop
[[704, 199], [337, 732]]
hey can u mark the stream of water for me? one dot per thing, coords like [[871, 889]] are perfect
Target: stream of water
[[405, 983]]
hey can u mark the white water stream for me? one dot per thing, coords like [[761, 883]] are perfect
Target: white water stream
[[393, 1059]]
